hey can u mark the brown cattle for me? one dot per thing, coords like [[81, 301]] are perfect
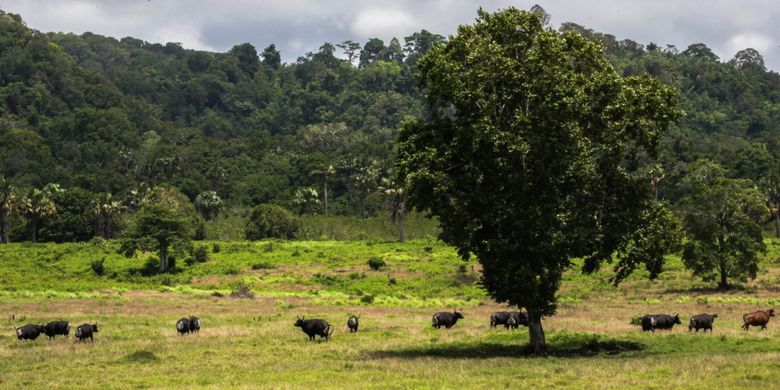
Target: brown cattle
[[757, 318]]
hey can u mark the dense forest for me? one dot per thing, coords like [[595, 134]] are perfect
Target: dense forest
[[91, 125]]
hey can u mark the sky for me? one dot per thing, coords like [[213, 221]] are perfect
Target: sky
[[300, 26]]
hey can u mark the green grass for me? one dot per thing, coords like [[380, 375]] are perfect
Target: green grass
[[251, 343]]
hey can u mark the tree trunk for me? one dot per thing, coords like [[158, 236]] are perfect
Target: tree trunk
[[401, 225], [724, 284], [3, 238], [325, 188], [363, 205], [163, 257], [777, 224], [536, 333], [34, 230]]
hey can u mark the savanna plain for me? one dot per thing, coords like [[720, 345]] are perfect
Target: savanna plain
[[248, 296]]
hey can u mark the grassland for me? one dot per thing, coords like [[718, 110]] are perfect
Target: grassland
[[251, 343]]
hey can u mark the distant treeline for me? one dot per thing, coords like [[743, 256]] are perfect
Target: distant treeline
[[109, 120]]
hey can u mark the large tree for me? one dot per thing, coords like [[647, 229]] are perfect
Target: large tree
[[36, 207], [722, 219], [533, 154]]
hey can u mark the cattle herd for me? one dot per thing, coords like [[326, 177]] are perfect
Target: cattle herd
[[313, 327]]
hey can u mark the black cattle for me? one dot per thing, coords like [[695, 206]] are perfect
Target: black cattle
[[446, 319], [652, 322], [194, 324], [57, 327], [183, 326], [314, 327], [86, 331], [353, 323], [29, 331], [702, 321], [510, 319]]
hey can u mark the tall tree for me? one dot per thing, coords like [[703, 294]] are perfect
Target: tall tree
[[393, 194], [209, 204], [722, 219], [350, 49], [532, 154], [272, 57]]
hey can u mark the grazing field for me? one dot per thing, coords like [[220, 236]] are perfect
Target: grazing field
[[251, 342]]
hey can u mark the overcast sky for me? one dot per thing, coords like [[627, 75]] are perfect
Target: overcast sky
[[300, 26]]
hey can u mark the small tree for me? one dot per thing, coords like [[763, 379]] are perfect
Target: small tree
[[209, 204], [157, 228], [722, 219]]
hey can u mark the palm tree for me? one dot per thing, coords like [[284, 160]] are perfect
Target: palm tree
[[36, 206], [7, 205], [105, 208], [393, 194], [323, 175]]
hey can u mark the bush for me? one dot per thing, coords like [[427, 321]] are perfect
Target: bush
[[271, 221], [367, 299], [97, 267], [376, 263], [242, 290], [200, 253], [216, 248], [257, 266]]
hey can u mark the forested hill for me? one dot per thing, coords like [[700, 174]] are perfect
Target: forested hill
[[109, 115]]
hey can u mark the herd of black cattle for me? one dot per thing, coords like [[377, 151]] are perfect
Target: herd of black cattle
[[318, 327]]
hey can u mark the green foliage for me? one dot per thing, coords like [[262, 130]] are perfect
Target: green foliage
[[532, 153], [157, 227], [271, 221], [97, 266], [200, 253], [722, 218], [376, 264]]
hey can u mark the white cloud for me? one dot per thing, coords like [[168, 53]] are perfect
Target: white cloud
[[749, 39], [383, 23]]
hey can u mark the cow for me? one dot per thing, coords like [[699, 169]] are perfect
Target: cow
[[314, 327], [702, 321], [510, 319], [194, 324], [446, 319], [651, 322], [29, 331], [86, 331], [57, 327], [352, 323], [183, 326], [757, 318]]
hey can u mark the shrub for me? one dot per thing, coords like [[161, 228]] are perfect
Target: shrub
[[262, 265], [376, 263], [97, 266], [462, 268], [216, 248], [392, 281], [200, 253], [367, 299], [242, 290], [271, 221]]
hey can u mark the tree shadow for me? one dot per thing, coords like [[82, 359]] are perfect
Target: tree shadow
[[494, 350]]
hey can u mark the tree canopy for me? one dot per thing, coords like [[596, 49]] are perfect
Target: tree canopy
[[532, 154]]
